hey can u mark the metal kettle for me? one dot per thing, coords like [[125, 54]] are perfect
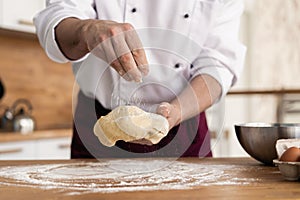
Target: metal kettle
[[2, 89], [22, 121], [6, 123]]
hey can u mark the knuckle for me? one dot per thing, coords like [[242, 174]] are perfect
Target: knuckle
[[102, 37], [115, 63], [127, 26], [139, 53], [114, 30], [136, 52], [126, 58], [129, 68]]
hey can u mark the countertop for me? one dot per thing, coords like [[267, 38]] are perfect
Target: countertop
[[264, 92], [41, 134], [188, 178]]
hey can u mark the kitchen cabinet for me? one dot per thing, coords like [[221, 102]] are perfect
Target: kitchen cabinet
[[18, 150], [18, 14], [53, 148], [39, 145], [56, 148]]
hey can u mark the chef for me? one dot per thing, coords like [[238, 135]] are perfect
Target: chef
[[172, 57]]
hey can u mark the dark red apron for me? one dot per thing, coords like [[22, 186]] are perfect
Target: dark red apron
[[190, 139]]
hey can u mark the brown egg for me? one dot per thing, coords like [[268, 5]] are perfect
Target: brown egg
[[292, 154]]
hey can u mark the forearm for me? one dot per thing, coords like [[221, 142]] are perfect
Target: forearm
[[202, 92], [68, 34]]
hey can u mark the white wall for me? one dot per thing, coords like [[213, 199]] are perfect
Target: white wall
[[271, 31]]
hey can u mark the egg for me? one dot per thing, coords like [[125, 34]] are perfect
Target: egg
[[292, 154]]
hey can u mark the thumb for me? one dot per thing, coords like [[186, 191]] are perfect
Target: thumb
[[164, 109]]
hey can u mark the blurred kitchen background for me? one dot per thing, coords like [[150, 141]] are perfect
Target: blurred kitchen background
[[40, 91]]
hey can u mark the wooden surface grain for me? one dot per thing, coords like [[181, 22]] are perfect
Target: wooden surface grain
[[264, 92], [43, 134], [271, 185]]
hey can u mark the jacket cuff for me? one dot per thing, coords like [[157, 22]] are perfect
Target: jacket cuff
[[52, 49], [216, 70]]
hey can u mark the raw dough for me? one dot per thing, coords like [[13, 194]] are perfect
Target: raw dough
[[130, 123]]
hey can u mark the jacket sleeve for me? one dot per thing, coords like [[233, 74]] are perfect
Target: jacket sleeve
[[223, 55], [55, 11]]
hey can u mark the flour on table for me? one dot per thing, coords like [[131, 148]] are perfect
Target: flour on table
[[104, 176]]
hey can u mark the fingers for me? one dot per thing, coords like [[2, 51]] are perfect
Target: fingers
[[171, 112], [164, 109], [130, 67], [127, 47], [136, 46], [121, 46], [106, 52], [139, 56], [118, 67], [123, 54]]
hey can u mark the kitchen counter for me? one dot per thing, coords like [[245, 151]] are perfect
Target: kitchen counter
[[188, 178], [41, 134], [264, 92]]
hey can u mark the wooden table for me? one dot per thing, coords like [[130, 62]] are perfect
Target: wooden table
[[36, 135], [269, 185], [264, 92]]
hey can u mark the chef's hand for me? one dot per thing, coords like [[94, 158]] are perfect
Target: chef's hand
[[115, 43], [118, 44], [170, 111]]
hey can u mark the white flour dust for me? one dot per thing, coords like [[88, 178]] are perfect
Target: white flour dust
[[106, 176]]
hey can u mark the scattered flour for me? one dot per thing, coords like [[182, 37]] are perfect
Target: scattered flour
[[115, 176]]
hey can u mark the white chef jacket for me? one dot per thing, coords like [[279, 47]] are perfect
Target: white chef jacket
[[182, 39]]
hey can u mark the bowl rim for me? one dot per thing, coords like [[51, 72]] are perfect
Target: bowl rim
[[278, 162], [268, 125]]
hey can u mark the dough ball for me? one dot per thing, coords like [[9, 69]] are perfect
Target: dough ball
[[130, 123]]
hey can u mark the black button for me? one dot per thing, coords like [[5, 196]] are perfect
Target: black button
[[191, 66], [186, 16], [177, 65], [133, 10]]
